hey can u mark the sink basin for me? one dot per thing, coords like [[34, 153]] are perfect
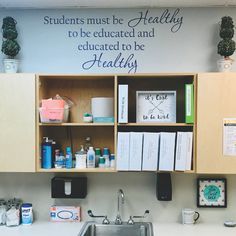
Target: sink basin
[[138, 229]]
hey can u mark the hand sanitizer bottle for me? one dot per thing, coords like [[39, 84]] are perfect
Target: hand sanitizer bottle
[[80, 159], [90, 158], [106, 157], [97, 156]]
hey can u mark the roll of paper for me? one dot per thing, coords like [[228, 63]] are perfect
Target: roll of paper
[[102, 107]]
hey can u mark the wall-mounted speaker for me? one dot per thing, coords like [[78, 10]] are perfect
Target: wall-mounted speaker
[[164, 187]]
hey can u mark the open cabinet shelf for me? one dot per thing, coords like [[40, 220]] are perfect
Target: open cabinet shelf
[[76, 124], [74, 170], [154, 84], [156, 124], [81, 88]]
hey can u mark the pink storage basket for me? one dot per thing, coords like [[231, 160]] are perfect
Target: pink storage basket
[[53, 115]]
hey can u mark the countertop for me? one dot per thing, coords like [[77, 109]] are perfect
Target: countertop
[[160, 229]]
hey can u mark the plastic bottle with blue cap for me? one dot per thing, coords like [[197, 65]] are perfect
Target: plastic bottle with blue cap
[[106, 156], [69, 160], [90, 158], [46, 153]]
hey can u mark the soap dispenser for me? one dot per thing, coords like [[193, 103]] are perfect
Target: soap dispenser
[[80, 158]]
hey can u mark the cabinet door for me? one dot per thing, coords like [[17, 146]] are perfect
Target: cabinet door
[[216, 100], [17, 122]]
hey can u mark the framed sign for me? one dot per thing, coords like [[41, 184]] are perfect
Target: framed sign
[[211, 192], [156, 106]]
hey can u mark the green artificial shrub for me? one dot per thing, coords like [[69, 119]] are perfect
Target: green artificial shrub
[[226, 46], [10, 46]]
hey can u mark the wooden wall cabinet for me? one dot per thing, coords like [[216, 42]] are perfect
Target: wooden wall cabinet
[[17, 123], [21, 131], [81, 88], [159, 82], [216, 100]]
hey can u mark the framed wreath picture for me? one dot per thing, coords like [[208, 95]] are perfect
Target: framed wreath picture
[[211, 192]]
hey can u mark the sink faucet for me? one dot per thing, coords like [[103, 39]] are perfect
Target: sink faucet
[[120, 195]]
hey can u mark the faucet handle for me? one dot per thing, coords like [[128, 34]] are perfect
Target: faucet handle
[[105, 220], [118, 220], [143, 216], [90, 213], [131, 221]]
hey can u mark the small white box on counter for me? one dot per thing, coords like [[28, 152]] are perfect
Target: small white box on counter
[[65, 213]]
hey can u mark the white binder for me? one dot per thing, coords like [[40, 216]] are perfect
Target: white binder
[[150, 151], [122, 151], [123, 103], [183, 156], [167, 151], [181, 151], [189, 153], [135, 151]]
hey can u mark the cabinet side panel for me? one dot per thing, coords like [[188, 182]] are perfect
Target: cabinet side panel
[[216, 98], [17, 122]]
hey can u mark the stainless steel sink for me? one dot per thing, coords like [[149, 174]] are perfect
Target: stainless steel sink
[[137, 229]]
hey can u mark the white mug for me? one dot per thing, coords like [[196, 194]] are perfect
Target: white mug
[[189, 216]]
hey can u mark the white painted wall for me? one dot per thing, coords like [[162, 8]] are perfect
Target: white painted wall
[[139, 189], [193, 48]]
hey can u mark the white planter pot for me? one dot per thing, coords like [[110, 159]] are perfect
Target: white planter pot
[[224, 65], [10, 65]]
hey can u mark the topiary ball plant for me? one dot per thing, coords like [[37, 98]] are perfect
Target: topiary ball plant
[[10, 46], [226, 46]]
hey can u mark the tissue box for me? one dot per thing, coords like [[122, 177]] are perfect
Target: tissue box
[[65, 214], [53, 104]]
